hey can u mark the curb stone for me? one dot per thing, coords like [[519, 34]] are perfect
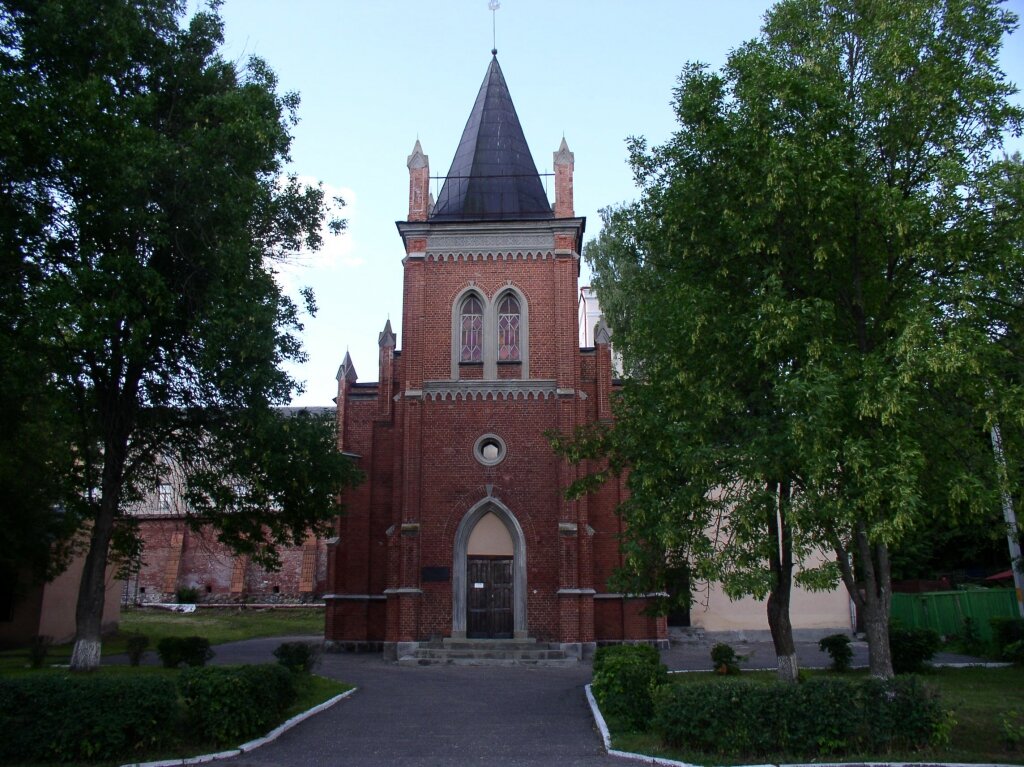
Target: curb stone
[[252, 744], [606, 738]]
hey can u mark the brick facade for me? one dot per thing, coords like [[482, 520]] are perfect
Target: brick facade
[[398, 563]]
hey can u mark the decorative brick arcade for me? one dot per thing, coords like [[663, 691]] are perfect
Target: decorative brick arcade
[[461, 529]]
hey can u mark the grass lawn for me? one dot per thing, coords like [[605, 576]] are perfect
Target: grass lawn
[[219, 625], [981, 701]]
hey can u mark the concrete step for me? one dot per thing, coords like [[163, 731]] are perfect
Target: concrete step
[[565, 662], [487, 652]]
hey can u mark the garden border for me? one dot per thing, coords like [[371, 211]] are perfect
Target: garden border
[[250, 745], [606, 739]]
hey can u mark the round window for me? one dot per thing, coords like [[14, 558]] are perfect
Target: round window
[[489, 449]]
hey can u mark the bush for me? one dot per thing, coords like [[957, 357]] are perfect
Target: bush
[[912, 648], [838, 648], [187, 595], [1006, 631], [192, 651], [135, 647], [298, 657], [625, 677], [645, 651], [725, 659], [227, 704], [60, 718], [38, 649], [1014, 652], [970, 639], [817, 718]]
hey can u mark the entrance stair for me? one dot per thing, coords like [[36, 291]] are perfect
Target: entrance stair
[[488, 652]]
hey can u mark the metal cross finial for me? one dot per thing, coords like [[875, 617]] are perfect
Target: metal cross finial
[[494, 5]]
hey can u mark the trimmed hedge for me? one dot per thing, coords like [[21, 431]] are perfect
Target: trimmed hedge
[[192, 651], [298, 657], [1005, 632], [912, 648], [625, 677], [820, 717], [84, 718], [227, 704]]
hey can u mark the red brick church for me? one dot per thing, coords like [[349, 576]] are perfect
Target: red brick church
[[461, 530]]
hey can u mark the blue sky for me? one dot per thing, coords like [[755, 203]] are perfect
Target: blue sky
[[375, 75]]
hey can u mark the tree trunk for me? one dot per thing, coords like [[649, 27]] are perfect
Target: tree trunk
[[91, 592], [874, 600], [780, 560]]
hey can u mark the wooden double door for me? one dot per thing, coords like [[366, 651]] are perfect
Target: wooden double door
[[489, 601]]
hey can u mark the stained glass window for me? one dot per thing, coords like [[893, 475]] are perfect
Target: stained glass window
[[508, 328], [472, 327]]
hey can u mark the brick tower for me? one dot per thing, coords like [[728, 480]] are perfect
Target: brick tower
[[461, 529]]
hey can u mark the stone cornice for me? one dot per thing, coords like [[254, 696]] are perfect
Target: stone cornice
[[483, 390]]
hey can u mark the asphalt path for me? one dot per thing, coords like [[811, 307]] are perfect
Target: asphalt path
[[464, 715], [435, 715]]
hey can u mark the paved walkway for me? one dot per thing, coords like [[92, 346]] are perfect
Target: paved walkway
[[463, 715]]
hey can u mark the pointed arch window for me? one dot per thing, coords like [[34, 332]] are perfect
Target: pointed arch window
[[508, 329], [471, 320]]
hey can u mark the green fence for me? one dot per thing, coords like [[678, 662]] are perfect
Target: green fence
[[945, 611]]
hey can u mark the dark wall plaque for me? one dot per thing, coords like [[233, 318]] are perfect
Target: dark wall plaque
[[435, 574]]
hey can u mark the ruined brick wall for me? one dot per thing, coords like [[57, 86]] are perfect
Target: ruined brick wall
[[175, 556]]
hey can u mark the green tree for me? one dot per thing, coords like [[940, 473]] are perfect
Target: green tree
[[144, 190], [820, 286]]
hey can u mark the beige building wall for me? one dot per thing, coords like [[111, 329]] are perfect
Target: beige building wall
[[813, 614], [49, 609], [57, 615]]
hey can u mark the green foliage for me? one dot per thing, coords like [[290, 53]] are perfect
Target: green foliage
[[1014, 652], [838, 648], [819, 288], [186, 595], [229, 704], [624, 682], [298, 657], [1006, 631], [912, 647], [50, 718], [1013, 729], [191, 651], [820, 717], [970, 640], [145, 203], [135, 646], [725, 659], [38, 649], [647, 653]]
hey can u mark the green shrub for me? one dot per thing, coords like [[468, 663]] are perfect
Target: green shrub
[[912, 648], [192, 651], [38, 649], [821, 717], [228, 704], [1006, 631], [60, 718], [970, 640], [624, 682], [1014, 652], [187, 595], [135, 646], [298, 657], [838, 648], [725, 659], [646, 651]]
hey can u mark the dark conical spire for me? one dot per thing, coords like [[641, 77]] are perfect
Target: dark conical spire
[[493, 175]]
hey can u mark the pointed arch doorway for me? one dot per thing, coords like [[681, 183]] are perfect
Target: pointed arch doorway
[[489, 574]]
